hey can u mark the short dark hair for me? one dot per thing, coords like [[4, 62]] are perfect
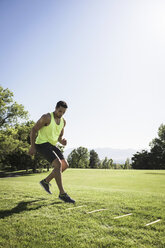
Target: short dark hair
[[61, 104]]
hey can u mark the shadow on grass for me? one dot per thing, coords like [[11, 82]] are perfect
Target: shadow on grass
[[23, 206], [16, 173], [155, 173]]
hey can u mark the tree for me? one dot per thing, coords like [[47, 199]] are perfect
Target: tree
[[14, 147], [10, 111], [8, 143], [140, 160], [79, 158], [107, 163], [158, 147], [94, 160], [127, 164], [155, 158]]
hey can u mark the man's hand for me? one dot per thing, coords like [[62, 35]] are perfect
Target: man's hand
[[63, 142], [32, 151]]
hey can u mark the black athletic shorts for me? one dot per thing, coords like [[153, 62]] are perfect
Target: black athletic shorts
[[49, 151]]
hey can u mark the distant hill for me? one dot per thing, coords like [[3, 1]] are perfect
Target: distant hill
[[118, 155]]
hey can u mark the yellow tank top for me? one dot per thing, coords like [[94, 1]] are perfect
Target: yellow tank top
[[51, 132]]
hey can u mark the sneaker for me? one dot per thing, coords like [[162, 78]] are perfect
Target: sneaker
[[66, 198], [45, 185]]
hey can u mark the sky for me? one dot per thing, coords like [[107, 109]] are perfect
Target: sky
[[105, 58]]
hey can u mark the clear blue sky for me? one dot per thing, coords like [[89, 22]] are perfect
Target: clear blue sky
[[105, 58]]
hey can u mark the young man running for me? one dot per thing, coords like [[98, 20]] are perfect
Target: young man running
[[50, 129]]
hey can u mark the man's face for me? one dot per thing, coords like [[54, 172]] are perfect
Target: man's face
[[60, 111]]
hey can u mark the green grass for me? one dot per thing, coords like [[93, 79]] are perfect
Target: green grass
[[31, 218]]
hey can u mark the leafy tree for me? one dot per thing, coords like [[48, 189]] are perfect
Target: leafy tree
[[10, 111], [127, 164], [158, 148], [107, 163], [140, 160], [94, 160], [155, 158], [8, 143], [14, 136], [79, 158], [14, 147]]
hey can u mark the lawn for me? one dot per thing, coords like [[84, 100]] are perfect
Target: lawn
[[32, 218]]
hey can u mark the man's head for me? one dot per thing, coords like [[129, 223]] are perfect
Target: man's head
[[61, 107]]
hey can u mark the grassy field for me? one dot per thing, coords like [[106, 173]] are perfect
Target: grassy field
[[31, 218]]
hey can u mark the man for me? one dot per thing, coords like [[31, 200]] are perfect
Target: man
[[50, 129]]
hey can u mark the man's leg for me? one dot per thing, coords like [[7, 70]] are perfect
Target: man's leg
[[56, 173], [60, 165], [65, 164]]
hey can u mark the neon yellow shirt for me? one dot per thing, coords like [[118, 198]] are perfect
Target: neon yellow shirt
[[51, 132]]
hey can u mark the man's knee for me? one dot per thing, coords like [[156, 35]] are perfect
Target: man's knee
[[65, 164], [57, 164]]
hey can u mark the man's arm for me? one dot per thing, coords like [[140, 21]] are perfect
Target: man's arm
[[60, 139], [43, 121]]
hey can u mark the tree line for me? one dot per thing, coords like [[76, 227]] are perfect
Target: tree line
[[15, 128], [83, 158]]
